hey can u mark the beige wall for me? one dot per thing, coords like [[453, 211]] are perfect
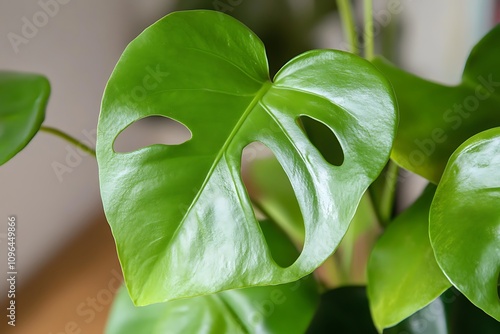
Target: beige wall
[[76, 49]]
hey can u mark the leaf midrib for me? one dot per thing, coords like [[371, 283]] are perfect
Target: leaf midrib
[[260, 93]]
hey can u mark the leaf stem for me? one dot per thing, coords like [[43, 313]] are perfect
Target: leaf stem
[[383, 204], [348, 24], [369, 38], [68, 138]]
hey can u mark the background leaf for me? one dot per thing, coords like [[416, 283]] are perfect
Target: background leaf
[[464, 317], [465, 220], [273, 193], [403, 275], [169, 206], [23, 98], [436, 119], [345, 310], [429, 320], [251, 310]]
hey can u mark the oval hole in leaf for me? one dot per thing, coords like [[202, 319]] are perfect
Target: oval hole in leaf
[[270, 189], [151, 130], [323, 138]]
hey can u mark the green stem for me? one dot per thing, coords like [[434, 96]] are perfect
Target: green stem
[[348, 24], [383, 201], [369, 38], [389, 194], [68, 138]]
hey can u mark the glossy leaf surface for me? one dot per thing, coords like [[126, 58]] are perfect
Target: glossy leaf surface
[[23, 98], [403, 275], [284, 308], [465, 220], [436, 119], [181, 217], [272, 192]]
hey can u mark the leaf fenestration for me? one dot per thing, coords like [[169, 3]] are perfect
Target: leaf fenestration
[[180, 215]]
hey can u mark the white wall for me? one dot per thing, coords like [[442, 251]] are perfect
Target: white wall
[[77, 50]]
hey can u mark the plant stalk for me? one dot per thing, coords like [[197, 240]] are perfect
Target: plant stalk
[[348, 25], [368, 34], [68, 138]]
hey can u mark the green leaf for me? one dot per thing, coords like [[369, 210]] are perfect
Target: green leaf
[[436, 119], [273, 194], [251, 310], [180, 215], [465, 220], [403, 275], [23, 98]]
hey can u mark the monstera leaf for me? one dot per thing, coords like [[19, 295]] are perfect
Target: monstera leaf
[[23, 98], [180, 214], [436, 119], [465, 220], [403, 275], [252, 310]]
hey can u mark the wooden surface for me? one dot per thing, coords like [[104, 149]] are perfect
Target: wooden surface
[[72, 294]]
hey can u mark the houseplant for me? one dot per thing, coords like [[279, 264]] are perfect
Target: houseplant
[[184, 223]]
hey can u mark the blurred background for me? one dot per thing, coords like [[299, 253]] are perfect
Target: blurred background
[[67, 267]]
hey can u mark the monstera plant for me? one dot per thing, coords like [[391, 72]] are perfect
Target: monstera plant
[[207, 248]]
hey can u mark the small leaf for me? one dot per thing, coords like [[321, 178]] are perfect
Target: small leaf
[[465, 220], [436, 119], [251, 310], [403, 275], [169, 206], [23, 98]]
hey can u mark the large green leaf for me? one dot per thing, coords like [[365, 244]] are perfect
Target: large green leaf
[[436, 119], [465, 220], [278, 309], [23, 98], [181, 217], [403, 275]]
